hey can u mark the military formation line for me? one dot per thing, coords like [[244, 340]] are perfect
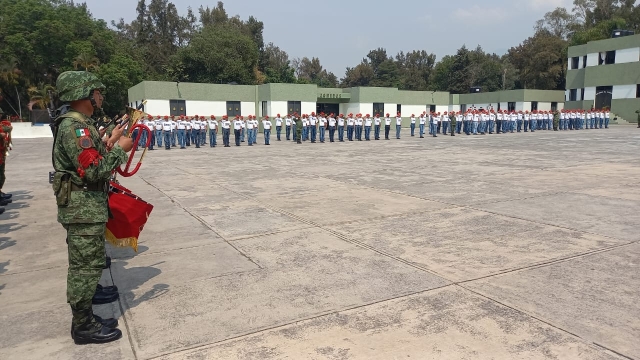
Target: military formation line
[[183, 131]]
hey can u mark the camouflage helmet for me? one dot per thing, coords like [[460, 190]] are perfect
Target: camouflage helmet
[[77, 85]]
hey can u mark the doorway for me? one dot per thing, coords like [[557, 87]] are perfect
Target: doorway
[[294, 107], [177, 107], [233, 109], [327, 109], [603, 97]]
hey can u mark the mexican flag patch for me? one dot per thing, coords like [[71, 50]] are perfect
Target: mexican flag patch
[[82, 132]]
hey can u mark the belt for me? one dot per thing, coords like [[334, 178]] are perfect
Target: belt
[[101, 187]]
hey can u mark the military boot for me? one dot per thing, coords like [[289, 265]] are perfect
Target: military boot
[[105, 295], [95, 333]]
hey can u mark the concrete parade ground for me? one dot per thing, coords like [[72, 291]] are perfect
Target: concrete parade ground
[[510, 246]]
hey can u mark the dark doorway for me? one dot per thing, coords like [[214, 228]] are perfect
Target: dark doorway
[[554, 106], [463, 108], [603, 97], [511, 106], [233, 109], [177, 107], [534, 106], [294, 107], [264, 109], [378, 108], [328, 109], [432, 108], [399, 109]]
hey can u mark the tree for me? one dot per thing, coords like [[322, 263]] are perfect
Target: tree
[[39, 95], [415, 69], [558, 22], [277, 66], [86, 61], [118, 75], [361, 75], [439, 78], [219, 54], [540, 60], [311, 71]]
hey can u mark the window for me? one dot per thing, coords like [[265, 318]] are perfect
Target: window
[[294, 107], [498, 106], [582, 94], [264, 109], [233, 109], [463, 108], [573, 95], [554, 106], [511, 106], [534, 105], [378, 108], [607, 58], [575, 62], [584, 61], [610, 57], [399, 109], [638, 91]]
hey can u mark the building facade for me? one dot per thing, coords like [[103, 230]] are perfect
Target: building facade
[[171, 98], [605, 73]]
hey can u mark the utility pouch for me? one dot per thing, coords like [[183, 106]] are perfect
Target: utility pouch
[[62, 188]]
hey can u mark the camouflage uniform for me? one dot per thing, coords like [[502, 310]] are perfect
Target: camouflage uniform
[[83, 167], [454, 122], [556, 120], [298, 129]]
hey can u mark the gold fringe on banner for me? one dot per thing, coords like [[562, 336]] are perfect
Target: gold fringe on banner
[[131, 242]]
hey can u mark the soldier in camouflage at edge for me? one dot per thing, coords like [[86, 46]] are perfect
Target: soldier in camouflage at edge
[[5, 142], [83, 166]]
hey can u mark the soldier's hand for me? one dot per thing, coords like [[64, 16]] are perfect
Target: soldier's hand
[[117, 132], [126, 143]]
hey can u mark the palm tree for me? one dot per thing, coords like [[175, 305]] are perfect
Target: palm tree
[[87, 61], [9, 75], [39, 95]]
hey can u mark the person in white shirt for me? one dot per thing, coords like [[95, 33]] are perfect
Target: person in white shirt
[[174, 131], [312, 126], [519, 121], [181, 127], [158, 130], [278, 126], [243, 126], [151, 126], [341, 128], [226, 129], [387, 126], [433, 125], [350, 123], [196, 126], [376, 129], [213, 131], [359, 123], [367, 127], [305, 127], [266, 128], [492, 121], [413, 124], [459, 122], [475, 122], [423, 121], [167, 132], [203, 130], [444, 120], [237, 129], [607, 115], [249, 130], [332, 127], [287, 125], [322, 125], [398, 125]]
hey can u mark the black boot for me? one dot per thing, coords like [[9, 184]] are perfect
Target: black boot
[[110, 323], [1, 210], [108, 289], [5, 202], [103, 297], [100, 335], [5, 196]]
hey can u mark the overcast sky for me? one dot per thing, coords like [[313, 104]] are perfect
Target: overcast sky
[[341, 32]]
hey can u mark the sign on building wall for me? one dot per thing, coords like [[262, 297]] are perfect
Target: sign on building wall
[[329, 96]]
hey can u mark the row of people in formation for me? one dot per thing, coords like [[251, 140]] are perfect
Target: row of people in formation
[[184, 130]]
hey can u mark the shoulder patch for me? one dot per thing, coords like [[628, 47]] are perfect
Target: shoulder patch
[[82, 132], [85, 142]]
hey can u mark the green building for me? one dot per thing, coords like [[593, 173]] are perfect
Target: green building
[[171, 98], [605, 73]]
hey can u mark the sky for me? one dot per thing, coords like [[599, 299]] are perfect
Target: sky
[[341, 32]]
